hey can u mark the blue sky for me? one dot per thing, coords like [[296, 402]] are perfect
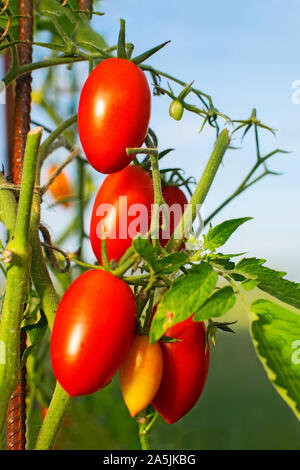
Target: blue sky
[[245, 55]]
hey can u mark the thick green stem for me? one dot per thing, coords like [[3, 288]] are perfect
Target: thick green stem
[[202, 188], [53, 420], [144, 440], [17, 278], [145, 422]]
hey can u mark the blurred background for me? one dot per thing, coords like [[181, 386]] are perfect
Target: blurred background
[[245, 55]]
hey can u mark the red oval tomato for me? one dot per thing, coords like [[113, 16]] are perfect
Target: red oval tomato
[[175, 197], [113, 113], [123, 208], [93, 328], [185, 370]]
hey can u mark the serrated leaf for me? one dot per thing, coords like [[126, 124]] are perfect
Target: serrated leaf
[[70, 19], [165, 265], [249, 284], [270, 281], [224, 263], [276, 335], [172, 262], [186, 295], [145, 250], [217, 304], [219, 235]]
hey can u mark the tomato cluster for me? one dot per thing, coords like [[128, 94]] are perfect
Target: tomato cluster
[[94, 332]]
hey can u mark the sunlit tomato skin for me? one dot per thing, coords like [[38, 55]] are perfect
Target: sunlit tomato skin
[[141, 373], [175, 197], [93, 328], [123, 208], [60, 188], [113, 113], [185, 370]]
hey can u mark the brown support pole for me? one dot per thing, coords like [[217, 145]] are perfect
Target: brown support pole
[[16, 414]]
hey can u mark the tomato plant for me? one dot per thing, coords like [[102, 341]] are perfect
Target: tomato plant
[[141, 373], [122, 198], [92, 331], [115, 93], [186, 364]]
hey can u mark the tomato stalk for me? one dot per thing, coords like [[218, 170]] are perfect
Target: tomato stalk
[[60, 168], [39, 272], [54, 418], [145, 423], [17, 278], [159, 202], [202, 189], [54, 135]]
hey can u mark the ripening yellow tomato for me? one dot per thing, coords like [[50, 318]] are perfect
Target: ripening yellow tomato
[[60, 188], [141, 373]]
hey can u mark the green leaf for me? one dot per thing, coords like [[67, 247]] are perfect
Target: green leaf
[[270, 281], [142, 57], [276, 336], [172, 262], [186, 295], [165, 265], [249, 284], [217, 304], [145, 250], [214, 256], [219, 235], [73, 23], [36, 333]]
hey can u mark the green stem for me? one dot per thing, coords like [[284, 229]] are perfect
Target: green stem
[[242, 187], [56, 133], [144, 437], [39, 272], [16, 72], [202, 188], [17, 278], [53, 420], [80, 173], [120, 270], [174, 79], [159, 201], [146, 422]]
